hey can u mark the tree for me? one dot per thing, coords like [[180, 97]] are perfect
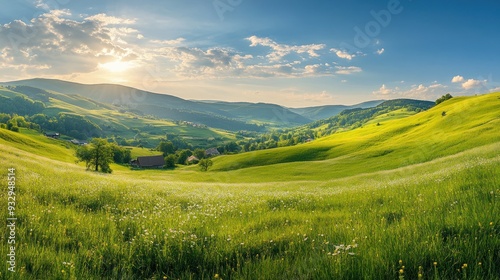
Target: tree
[[98, 154], [205, 164], [183, 156], [443, 98], [166, 147], [199, 153], [120, 154], [170, 161]]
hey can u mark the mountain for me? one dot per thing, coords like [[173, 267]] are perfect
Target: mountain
[[147, 103], [75, 116], [327, 111], [232, 116], [259, 112]]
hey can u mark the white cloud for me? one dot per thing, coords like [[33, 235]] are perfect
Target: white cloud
[[52, 44], [471, 83], [174, 42], [110, 20], [281, 50], [381, 51], [457, 79], [343, 54], [420, 91], [347, 70], [383, 90]]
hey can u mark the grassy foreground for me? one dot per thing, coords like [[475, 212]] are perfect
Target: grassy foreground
[[437, 220], [416, 197]]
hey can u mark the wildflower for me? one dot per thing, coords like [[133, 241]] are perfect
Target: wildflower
[[216, 276], [435, 263]]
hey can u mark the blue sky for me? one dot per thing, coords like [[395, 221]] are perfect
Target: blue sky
[[293, 53]]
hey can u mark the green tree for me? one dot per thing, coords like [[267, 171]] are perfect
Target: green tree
[[199, 153], [97, 155], [170, 161], [4, 118], [443, 98], [166, 147], [120, 154], [205, 164], [183, 156]]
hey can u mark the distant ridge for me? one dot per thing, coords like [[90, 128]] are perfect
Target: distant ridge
[[218, 114]]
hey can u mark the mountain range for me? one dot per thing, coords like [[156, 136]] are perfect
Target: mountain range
[[232, 116]]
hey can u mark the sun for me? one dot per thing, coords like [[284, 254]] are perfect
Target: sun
[[117, 66]]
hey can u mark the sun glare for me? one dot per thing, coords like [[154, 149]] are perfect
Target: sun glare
[[116, 66]]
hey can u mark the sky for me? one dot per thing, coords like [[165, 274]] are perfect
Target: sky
[[292, 53]]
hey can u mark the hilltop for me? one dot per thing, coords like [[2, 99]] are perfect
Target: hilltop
[[453, 126]]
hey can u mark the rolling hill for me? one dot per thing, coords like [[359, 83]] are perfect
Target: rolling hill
[[106, 120], [232, 116], [414, 197], [324, 112], [467, 122]]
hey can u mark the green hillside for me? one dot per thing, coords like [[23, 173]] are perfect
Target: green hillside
[[469, 122], [224, 115], [412, 198], [124, 125], [415, 197]]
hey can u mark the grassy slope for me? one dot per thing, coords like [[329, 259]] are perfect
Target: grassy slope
[[121, 124], [469, 122], [84, 225]]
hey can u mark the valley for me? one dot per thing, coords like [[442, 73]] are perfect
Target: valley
[[400, 193]]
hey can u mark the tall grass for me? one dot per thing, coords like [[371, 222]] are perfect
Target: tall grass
[[439, 220]]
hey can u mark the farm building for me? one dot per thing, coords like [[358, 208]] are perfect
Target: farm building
[[212, 152], [54, 135], [79, 142], [148, 162], [193, 160]]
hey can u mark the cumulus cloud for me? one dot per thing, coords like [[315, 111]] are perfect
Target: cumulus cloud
[[343, 54], [281, 50], [110, 20], [471, 83], [421, 91], [59, 44], [457, 79], [383, 90], [53, 43]]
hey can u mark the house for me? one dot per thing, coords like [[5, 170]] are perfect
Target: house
[[54, 135], [192, 160], [79, 142], [148, 162], [212, 152]]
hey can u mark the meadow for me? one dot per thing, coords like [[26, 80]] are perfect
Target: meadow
[[433, 215]]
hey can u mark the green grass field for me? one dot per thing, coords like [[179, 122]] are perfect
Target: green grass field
[[414, 198]]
